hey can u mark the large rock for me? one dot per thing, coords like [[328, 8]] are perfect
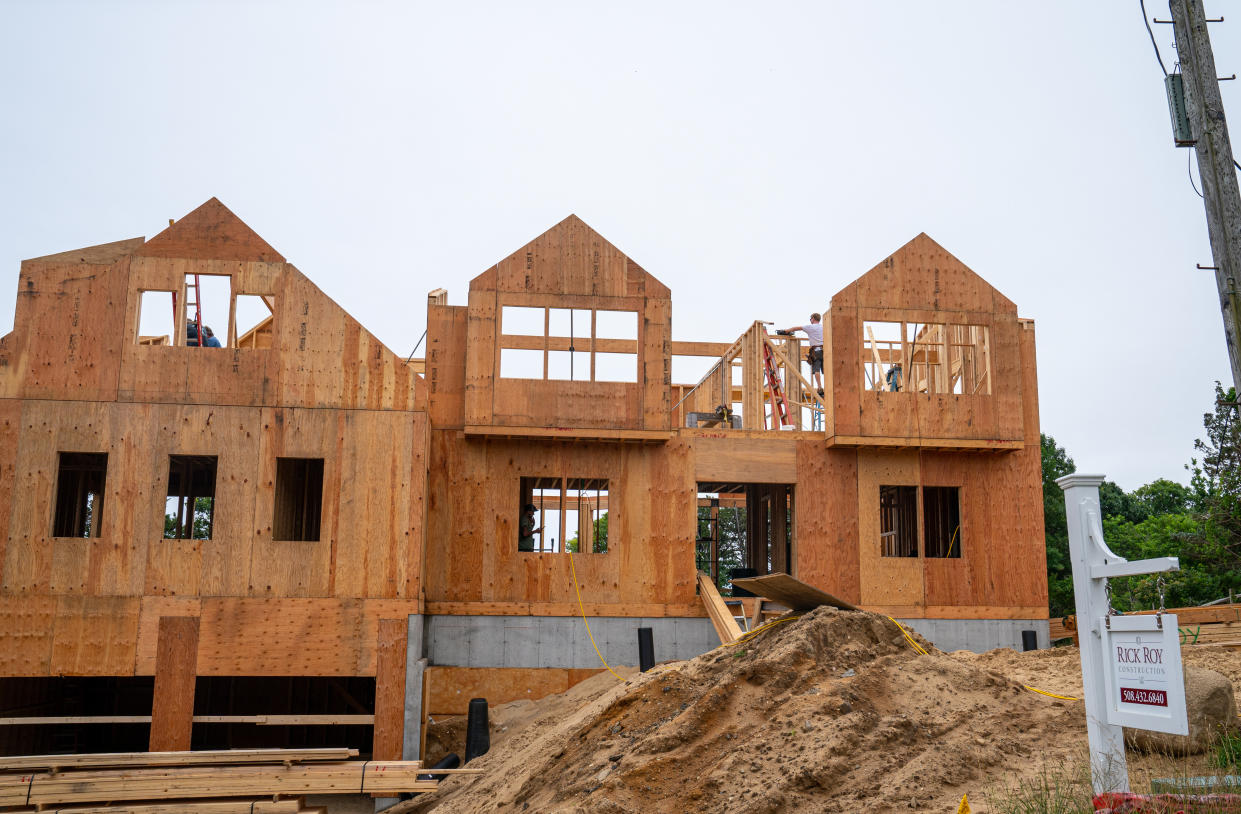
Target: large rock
[[1211, 709]]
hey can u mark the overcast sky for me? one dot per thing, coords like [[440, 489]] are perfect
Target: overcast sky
[[754, 157]]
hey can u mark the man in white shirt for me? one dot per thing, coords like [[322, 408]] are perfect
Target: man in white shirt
[[814, 332]]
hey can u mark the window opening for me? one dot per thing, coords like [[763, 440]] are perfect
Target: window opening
[[941, 515], [80, 483], [253, 320], [744, 530], [157, 318], [563, 514], [299, 499], [616, 367], [208, 306], [898, 521], [189, 509], [586, 515], [616, 325], [926, 358], [517, 320], [568, 344], [516, 363]]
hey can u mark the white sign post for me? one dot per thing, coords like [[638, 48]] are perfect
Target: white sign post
[[1131, 665]]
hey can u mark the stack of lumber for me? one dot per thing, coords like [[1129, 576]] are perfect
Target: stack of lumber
[[1219, 625], [257, 781]]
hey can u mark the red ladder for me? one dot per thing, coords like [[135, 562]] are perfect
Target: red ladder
[[779, 402], [192, 300]]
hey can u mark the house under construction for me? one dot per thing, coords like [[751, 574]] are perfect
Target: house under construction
[[300, 538]]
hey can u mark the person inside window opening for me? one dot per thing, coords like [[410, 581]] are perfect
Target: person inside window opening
[[209, 340], [525, 539], [814, 355], [894, 377]]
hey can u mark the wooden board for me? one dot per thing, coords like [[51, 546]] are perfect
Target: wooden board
[[793, 593], [390, 689], [353, 777], [241, 805], [722, 619], [176, 667], [180, 758]]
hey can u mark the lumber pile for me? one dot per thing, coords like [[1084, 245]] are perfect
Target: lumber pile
[[261, 781], [1219, 625]]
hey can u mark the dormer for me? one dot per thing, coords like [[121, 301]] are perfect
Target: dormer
[[568, 337], [924, 353]]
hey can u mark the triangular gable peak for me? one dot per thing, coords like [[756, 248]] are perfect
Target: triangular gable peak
[[211, 232], [570, 259], [922, 275]]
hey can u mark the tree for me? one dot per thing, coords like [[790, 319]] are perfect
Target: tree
[[1056, 464], [1216, 483], [1162, 496], [601, 537], [201, 527]]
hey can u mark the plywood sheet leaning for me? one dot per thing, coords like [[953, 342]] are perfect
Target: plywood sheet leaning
[[722, 619], [794, 593]]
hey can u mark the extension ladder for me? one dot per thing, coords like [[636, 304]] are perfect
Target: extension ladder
[[192, 300], [779, 402]]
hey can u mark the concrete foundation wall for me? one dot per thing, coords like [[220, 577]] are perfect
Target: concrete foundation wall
[[559, 641], [979, 635]]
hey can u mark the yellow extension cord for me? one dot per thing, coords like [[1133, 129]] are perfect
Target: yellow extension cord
[[581, 608], [920, 649]]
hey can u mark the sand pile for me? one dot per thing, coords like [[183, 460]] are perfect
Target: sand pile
[[834, 711]]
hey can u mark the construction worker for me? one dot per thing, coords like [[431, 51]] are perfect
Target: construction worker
[[814, 355], [894, 377], [209, 340], [525, 539]]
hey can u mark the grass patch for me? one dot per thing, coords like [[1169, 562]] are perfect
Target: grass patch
[[1060, 789], [1226, 753]]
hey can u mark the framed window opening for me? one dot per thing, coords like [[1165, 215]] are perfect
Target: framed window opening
[[80, 481], [563, 514], [237, 318], [745, 530], [157, 318], [298, 501], [926, 358], [941, 513], [189, 509], [568, 344], [898, 521], [939, 522]]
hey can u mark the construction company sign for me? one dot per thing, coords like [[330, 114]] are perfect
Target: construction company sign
[[1145, 685]]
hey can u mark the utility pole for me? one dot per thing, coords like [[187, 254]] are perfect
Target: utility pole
[[1215, 165]]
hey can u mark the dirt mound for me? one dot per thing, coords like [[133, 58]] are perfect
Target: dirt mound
[[834, 711]]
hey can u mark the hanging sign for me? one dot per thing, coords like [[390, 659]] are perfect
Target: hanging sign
[[1145, 684]]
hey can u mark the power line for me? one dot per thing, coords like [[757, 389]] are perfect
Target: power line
[[1189, 170], [1154, 44]]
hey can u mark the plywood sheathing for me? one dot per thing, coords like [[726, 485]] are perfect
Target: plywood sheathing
[[72, 377], [569, 266], [472, 552], [921, 282], [371, 528], [211, 232], [449, 689], [176, 665]]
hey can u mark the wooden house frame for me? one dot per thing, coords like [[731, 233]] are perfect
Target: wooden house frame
[[370, 524]]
